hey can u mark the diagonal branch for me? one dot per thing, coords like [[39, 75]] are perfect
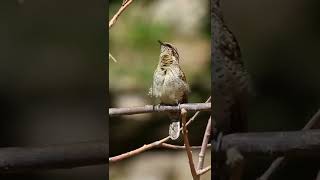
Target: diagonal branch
[[138, 151], [122, 8], [312, 124], [318, 175], [204, 170]]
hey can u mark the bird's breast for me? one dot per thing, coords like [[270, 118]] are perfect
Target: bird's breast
[[168, 87]]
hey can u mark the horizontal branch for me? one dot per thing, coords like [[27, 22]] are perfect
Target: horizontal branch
[[176, 147], [314, 123], [151, 145], [293, 143], [159, 108], [15, 159]]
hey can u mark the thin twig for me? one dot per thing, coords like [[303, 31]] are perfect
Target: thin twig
[[196, 114], [186, 142], [122, 8], [159, 108], [111, 57], [318, 176], [176, 147], [204, 145], [314, 122], [274, 165], [148, 146], [204, 170], [139, 150]]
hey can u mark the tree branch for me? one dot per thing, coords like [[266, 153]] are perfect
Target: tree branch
[[186, 142], [318, 175], [152, 108], [312, 124], [139, 150], [122, 8], [15, 159], [151, 145], [295, 143], [204, 145], [175, 147], [204, 170]]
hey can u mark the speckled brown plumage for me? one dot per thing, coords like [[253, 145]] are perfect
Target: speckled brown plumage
[[170, 84], [230, 80]]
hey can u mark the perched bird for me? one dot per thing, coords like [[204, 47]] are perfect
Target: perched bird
[[230, 79], [170, 84], [230, 82]]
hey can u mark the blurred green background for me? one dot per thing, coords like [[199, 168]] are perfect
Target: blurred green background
[[280, 44], [133, 42], [53, 70]]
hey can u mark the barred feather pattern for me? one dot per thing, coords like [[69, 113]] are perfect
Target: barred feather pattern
[[170, 85], [230, 80]]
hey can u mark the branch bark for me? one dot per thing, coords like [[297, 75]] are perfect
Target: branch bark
[[293, 144], [314, 123], [151, 145], [175, 147], [204, 170], [124, 5], [204, 145], [187, 144], [139, 150], [16, 159], [152, 108]]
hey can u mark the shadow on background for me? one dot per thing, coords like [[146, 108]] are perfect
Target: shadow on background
[[53, 78]]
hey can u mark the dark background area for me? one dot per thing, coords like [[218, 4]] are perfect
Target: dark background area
[[53, 74], [280, 44]]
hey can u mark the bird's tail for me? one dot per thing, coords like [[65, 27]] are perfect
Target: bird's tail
[[174, 127]]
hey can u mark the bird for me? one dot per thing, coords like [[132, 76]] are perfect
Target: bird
[[170, 85], [231, 90], [230, 79]]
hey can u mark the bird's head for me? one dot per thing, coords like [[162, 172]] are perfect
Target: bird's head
[[168, 49]]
